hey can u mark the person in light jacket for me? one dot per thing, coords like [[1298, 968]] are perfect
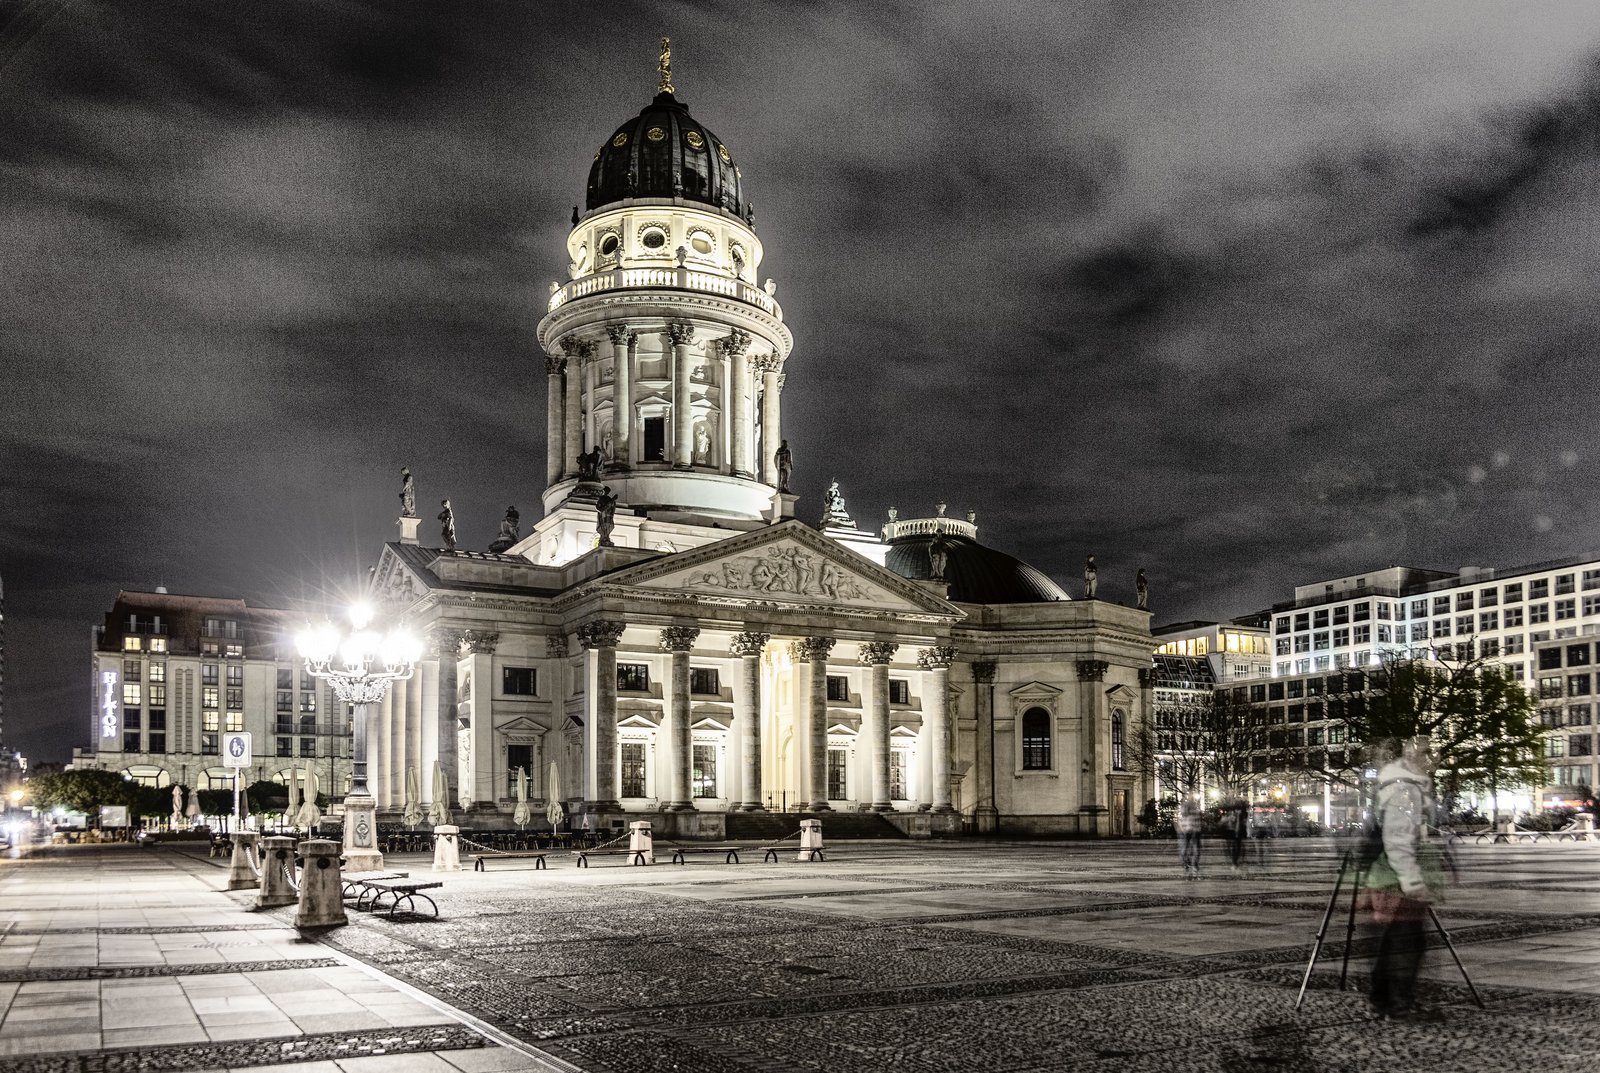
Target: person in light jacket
[[1189, 821], [1405, 880]]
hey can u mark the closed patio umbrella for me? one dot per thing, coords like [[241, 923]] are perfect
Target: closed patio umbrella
[[439, 807], [522, 813], [552, 792], [177, 804], [291, 811], [193, 809], [413, 810], [309, 812]]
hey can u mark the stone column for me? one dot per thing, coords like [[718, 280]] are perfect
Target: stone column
[[876, 655], [599, 640], [679, 641], [747, 720], [681, 333], [814, 730], [572, 438], [378, 769], [555, 433], [622, 344], [771, 434], [1093, 722], [399, 743], [447, 646], [591, 400], [476, 784], [986, 815], [935, 663], [739, 375]]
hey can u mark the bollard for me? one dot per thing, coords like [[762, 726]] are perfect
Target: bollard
[[641, 840], [277, 857], [810, 840], [321, 891], [446, 850], [243, 867]]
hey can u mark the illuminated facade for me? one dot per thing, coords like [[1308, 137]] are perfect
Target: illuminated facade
[[689, 650], [173, 673]]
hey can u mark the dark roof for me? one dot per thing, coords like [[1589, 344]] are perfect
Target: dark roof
[[975, 574], [181, 619], [663, 153], [1183, 672]]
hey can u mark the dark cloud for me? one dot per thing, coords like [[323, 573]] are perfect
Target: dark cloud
[[1247, 297]]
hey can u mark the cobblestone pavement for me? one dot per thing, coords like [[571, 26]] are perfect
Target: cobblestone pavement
[[888, 955]]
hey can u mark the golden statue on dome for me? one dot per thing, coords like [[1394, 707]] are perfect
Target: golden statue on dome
[[665, 65]]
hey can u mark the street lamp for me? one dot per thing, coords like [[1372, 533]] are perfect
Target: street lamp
[[359, 665]]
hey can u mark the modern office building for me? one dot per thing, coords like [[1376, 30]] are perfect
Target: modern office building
[[173, 673]]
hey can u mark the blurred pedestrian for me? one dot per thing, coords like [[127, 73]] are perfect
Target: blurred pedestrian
[[1404, 881], [1189, 821], [1236, 821]]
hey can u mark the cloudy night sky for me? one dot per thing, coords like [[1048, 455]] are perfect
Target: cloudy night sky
[[1249, 295]]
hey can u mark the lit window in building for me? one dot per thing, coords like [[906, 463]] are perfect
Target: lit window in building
[[1036, 740]]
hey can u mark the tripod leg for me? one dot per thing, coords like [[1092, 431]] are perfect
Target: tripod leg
[[1456, 957], [1350, 926], [1327, 914]]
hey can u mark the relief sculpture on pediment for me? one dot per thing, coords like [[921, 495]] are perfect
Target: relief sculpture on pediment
[[782, 570]]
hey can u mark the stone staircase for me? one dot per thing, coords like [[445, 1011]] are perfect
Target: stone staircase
[[771, 826]]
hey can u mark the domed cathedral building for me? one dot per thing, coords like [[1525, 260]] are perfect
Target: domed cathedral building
[[671, 642]]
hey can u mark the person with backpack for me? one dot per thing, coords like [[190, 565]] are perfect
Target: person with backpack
[[1404, 878]]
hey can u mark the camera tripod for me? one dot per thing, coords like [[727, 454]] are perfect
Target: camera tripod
[[1345, 864]]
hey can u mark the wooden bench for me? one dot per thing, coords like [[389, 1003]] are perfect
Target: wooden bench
[[1512, 834], [732, 853], [355, 884], [538, 856], [770, 853], [583, 855], [402, 892]]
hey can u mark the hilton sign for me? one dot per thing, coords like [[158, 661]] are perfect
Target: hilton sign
[[109, 701]]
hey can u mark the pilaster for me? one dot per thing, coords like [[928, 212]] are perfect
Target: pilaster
[[935, 663], [747, 720], [813, 651], [679, 642], [986, 815]]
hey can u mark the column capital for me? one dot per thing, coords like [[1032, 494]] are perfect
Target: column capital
[[878, 652], [1093, 670], [480, 642], [600, 633], [570, 345], [939, 657], [678, 638], [983, 670], [735, 344], [588, 351], [811, 649], [619, 334], [633, 340], [766, 363], [556, 647], [681, 332], [748, 643], [554, 366], [1147, 677], [445, 641]]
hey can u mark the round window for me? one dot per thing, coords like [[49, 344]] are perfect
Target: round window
[[701, 242], [722, 151], [621, 139], [608, 245], [654, 240], [655, 134], [694, 140]]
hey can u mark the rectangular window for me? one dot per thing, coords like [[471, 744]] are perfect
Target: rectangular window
[[132, 719], [1363, 634], [285, 746], [897, 774], [1538, 590], [1464, 625], [132, 644], [1488, 597], [308, 702], [1578, 655], [1341, 614], [209, 675], [285, 700], [1550, 687], [704, 775], [1488, 620], [158, 644], [158, 672], [838, 688], [1419, 631], [1579, 744], [1538, 613], [633, 769], [236, 698], [308, 747], [1280, 624], [1302, 621], [899, 691], [1564, 584], [1302, 643], [234, 722], [1319, 619], [1513, 619], [157, 696], [655, 439], [1386, 634], [837, 784], [1513, 644], [1336, 735], [1578, 715], [130, 741], [233, 651], [1441, 605], [235, 675], [1383, 609], [1463, 601], [1591, 606], [1441, 627], [1566, 609], [1320, 642], [1419, 608], [633, 677], [1362, 612], [285, 678], [1274, 690], [519, 681], [1341, 638], [208, 744], [130, 694], [211, 649], [1577, 685], [1513, 593], [1490, 647], [1283, 646], [130, 670], [704, 681], [1313, 735]]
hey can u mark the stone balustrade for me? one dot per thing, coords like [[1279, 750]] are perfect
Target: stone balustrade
[[683, 279]]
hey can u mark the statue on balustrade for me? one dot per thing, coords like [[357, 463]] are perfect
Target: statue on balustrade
[[408, 495], [605, 509], [447, 523], [783, 459]]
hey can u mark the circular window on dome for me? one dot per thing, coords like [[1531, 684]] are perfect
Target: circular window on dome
[[609, 244], [722, 151], [621, 139], [694, 140], [654, 240], [701, 242], [655, 134]]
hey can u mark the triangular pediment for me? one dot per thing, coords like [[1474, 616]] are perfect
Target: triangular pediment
[[786, 564], [1035, 691], [1121, 694], [395, 582], [521, 729]]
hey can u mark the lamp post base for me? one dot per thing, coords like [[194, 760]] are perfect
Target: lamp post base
[[361, 835]]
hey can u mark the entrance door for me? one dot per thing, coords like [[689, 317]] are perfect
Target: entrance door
[[1119, 814], [655, 439]]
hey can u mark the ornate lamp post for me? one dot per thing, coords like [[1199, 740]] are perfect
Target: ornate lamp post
[[359, 665]]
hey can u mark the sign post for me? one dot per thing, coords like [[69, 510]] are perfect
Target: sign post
[[236, 754]]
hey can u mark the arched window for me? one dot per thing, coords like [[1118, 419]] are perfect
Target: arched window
[[1036, 740], [1118, 740]]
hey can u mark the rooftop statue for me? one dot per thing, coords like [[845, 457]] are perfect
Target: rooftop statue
[[605, 509], [1091, 578], [408, 495], [1142, 586], [783, 458], [447, 523]]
